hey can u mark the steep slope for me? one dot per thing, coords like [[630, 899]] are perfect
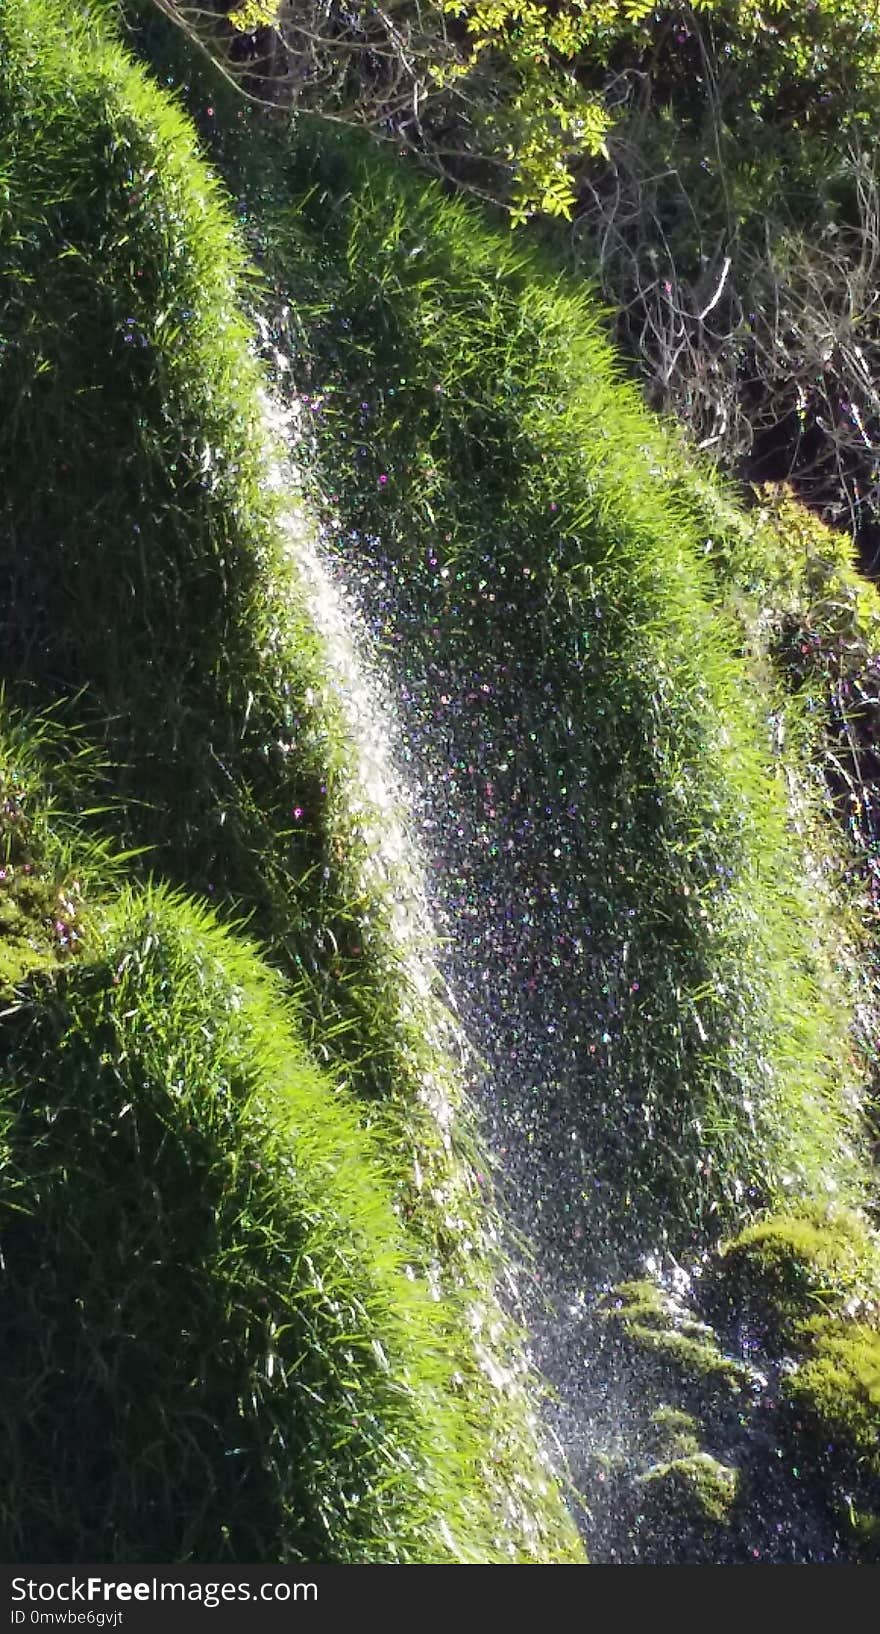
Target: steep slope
[[212, 1217], [658, 963], [470, 432]]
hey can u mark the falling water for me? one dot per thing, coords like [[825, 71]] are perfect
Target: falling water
[[377, 809], [441, 775], [454, 773], [374, 805], [511, 936], [512, 933]]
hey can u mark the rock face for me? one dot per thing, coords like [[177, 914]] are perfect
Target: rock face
[[766, 1368]]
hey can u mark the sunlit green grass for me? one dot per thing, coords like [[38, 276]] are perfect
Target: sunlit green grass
[[212, 1348], [152, 601], [510, 447]]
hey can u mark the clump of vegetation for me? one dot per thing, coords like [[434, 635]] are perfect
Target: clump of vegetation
[[783, 1271], [201, 1259], [156, 596], [650, 1324]]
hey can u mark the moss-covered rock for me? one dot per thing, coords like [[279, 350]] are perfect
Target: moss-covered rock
[[834, 1397], [692, 1490], [688, 1500], [782, 1271], [661, 1332]]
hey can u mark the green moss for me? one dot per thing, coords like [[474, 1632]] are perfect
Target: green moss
[[21, 960], [673, 1433], [28, 907], [691, 1490], [29, 941], [657, 1330], [784, 1270], [41, 911], [835, 1394]]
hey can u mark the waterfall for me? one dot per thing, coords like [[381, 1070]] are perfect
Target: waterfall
[[375, 806], [476, 903], [448, 781], [398, 867]]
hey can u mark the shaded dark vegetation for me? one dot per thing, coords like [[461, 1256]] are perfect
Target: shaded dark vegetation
[[802, 450]]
